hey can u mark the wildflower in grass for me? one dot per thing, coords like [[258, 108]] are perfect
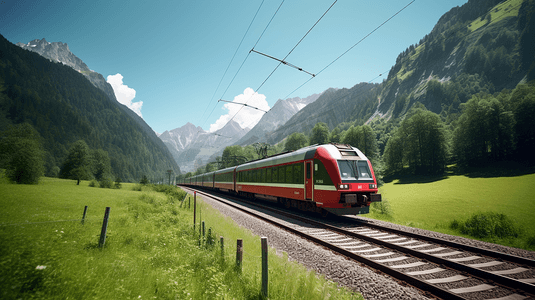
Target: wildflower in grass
[[40, 267]]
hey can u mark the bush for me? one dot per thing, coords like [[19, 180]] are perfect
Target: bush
[[487, 225], [106, 183], [382, 207], [93, 183]]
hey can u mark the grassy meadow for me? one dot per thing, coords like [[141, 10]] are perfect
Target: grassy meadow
[[435, 205], [151, 251]]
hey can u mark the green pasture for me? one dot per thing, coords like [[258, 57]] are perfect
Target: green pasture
[[435, 204], [151, 250]]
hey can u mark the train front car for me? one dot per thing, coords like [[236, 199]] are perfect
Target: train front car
[[343, 180], [331, 178]]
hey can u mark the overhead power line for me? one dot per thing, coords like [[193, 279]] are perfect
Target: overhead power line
[[286, 54], [244, 104], [231, 60], [283, 62], [345, 52]]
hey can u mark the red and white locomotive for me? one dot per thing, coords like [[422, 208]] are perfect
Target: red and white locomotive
[[331, 178]]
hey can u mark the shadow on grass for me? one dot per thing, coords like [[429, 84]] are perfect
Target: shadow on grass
[[498, 169], [409, 178]]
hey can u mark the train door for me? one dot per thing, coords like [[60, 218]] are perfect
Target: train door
[[309, 183]]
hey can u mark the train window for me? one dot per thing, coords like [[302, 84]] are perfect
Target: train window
[[263, 175], [281, 174], [289, 172], [268, 175], [275, 176], [298, 173]]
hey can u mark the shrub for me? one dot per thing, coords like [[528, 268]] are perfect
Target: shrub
[[487, 225], [93, 183], [382, 207], [106, 183]]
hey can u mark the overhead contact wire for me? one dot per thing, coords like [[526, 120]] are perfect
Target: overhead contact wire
[[399, 11], [286, 54], [230, 63]]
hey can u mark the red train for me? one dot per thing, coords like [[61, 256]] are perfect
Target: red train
[[331, 178]]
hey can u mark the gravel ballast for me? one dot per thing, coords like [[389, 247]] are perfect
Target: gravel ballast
[[345, 272]]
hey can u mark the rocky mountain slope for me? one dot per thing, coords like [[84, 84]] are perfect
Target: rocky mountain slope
[[279, 114], [192, 146]]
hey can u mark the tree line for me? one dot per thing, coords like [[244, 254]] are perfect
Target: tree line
[[23, 158]]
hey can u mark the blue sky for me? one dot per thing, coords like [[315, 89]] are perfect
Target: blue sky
[[171, 55]]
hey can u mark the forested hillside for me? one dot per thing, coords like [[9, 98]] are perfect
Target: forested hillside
[[64, 107]]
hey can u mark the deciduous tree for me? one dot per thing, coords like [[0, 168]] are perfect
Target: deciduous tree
[[78, 163]]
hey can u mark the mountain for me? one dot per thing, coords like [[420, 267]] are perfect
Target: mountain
[[333, 107], [63, 106], [473, 48], [483, 46], [279, 114], [60, 52], [192, 146]]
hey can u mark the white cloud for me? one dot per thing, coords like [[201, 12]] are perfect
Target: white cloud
[[247, 117], [124, 94]]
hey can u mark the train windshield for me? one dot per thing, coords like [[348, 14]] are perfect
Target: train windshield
[[354, 170]]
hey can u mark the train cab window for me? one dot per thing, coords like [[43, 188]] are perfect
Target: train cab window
[[364, 170], [354, 170]]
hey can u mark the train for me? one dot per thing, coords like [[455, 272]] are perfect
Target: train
[[327, 179]]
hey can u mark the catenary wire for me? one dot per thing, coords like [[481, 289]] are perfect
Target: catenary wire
[[256, 91], [231, 60], [345, 52], [272, 17]]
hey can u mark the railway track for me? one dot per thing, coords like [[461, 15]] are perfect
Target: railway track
[[445, 269]]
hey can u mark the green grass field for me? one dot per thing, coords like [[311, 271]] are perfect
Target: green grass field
[[434, 205], [151, 251]]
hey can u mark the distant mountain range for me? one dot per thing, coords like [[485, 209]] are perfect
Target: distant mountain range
[[192, 146]]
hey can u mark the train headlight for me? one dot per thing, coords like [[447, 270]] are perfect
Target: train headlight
[[344, 187], [372, 186]]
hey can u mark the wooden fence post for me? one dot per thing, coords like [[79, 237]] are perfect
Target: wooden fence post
[[194, 209], [83, 217], [264, 266], [239, 254], [104, 228], [203, 230], [222, 242]]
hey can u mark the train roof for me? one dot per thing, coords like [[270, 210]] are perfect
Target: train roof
[[334, 150]]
